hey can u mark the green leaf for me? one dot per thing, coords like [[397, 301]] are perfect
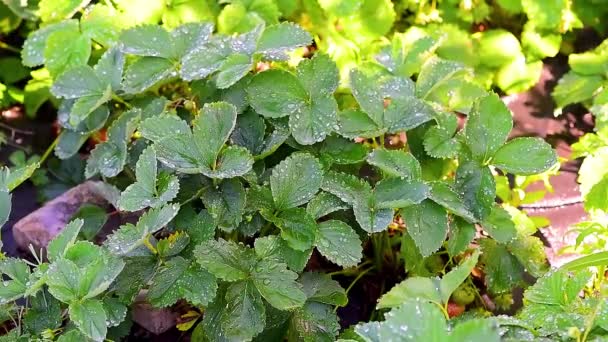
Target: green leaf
[[475, 330], [226, 204], [353, 123], [385, 99], [461, 234], [179, 12], [150, 189], [539, 156], [413, 288], [90, 318], [320, 288], [109, 157], [443, 194], [115, 310], [5, 205], [44, 313], [63, 280], [395, 193], [129, 237], [146, 72], [94, 218], [503, 271], [478, 187], [234, 68], [276, 40], [431, 289], [371, 21], [277, 285], [234, 161], [435, 72], [318, 75], [283, 94], [109, 68], [428, 324], [340, 8], [249, 131], [100, 270], [181, 279], [324, 204], [557, 288], [549, 15], [66, 238], [530, 251], [595, 259], [18, 273], [102, 23], [405, 56], [427, 224], [147, 40], [314, 322], [226, 260], [65, 50], [298, 228], [78, 82], [13, 70], [499, 225], [19, 175], [200, 63], [295, 180], [457, 276], [338, 150], [397, 163], [245, 315], [212, 128], [575, 88], [57, 10], [497, 47], [32, 53], [273, 247], [540, 44], [487, 127], [439, 140], [339, 243], [314, 122], [371, 218], [136, 274], [595, 198]]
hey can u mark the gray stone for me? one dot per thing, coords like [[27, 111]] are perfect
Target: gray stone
[[41, 226], [156, 321]]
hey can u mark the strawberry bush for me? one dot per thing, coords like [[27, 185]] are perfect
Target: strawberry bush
[[276, 168]]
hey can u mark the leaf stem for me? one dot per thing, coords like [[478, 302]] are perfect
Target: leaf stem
[[121, 101], [9, 47], [352, 284], [591, 319], [50, 149], [349, 270], [195, 196]]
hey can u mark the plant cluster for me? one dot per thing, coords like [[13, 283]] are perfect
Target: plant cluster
[[253, 149]]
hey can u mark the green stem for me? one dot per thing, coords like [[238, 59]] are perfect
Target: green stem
[[195, 196], [349, 270], [590, 322], [352, 284], [50, 149], [8, 47], [130, 173], [121, 101]]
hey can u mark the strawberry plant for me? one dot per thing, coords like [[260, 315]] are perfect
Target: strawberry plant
[[258, 169], [273, 173]]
